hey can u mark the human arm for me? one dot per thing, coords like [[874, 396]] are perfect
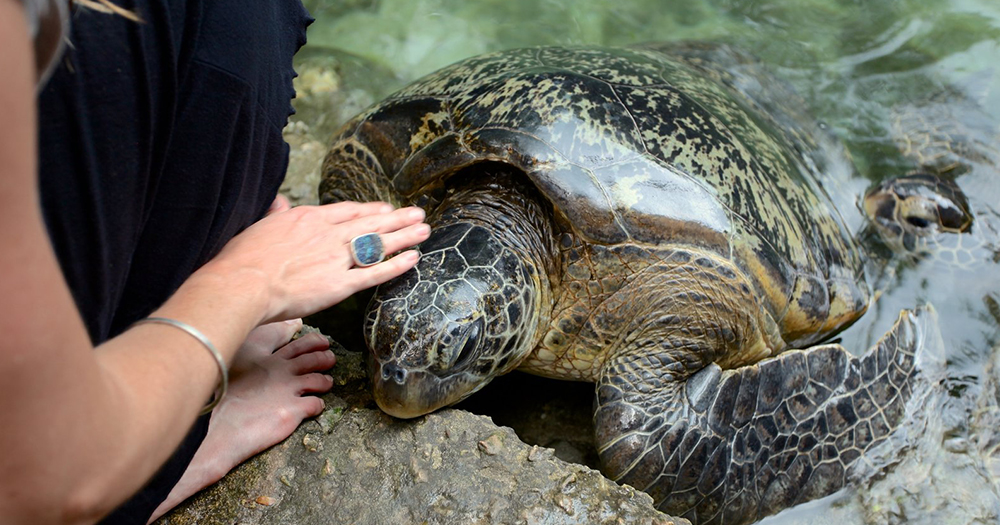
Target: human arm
[[85, 428]]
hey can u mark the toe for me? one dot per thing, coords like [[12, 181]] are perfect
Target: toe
[[273, 335], [314, 383], [311, 406], [308, 343], [313, 362]]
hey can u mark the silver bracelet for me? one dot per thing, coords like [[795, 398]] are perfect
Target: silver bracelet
[[193, 332]]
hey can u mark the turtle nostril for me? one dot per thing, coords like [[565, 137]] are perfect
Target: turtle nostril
[[393, 372]]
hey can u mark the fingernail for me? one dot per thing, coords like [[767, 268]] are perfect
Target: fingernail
[[424, 229], [328, 377], [410, 255], [417, 214], [387, 208]]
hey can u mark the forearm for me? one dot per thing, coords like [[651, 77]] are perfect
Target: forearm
[[84, 428], [123, 408], [85, 432], [164, 376]]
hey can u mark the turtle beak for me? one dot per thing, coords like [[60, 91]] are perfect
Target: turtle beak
[[394, 394], [408, 394]]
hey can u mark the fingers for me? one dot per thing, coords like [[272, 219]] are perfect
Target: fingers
[[366, 277], [304, 255], [406, 237], [279, 204], [383, 223], [348, 211]]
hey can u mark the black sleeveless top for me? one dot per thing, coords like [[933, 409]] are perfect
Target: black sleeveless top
[[159, 141]]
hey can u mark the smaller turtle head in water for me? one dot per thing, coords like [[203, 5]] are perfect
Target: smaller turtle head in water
[[911, 212]]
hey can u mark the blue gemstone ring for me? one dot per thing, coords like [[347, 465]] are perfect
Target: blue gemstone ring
[[367, 249]]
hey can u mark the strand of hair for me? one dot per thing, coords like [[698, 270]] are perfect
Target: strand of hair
[[106, 6]]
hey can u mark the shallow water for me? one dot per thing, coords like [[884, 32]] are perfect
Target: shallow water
[[861, 65]]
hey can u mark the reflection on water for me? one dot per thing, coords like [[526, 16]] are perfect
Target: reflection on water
[[905, 83]]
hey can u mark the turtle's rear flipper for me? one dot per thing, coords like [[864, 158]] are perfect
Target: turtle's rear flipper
[[733, 446]]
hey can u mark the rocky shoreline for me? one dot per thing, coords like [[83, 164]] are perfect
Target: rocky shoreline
[[354, 464]]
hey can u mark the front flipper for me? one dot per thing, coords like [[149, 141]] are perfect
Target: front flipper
[[733, 446], [352, 170]]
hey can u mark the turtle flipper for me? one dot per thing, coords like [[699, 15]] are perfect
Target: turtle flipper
[[352, 172], [733, 446]]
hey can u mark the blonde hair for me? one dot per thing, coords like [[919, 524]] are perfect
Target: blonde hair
[[106, 6]]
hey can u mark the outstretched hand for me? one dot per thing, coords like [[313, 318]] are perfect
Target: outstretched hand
[[303, 258]]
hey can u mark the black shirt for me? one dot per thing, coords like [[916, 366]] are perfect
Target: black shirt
[[159, 142]]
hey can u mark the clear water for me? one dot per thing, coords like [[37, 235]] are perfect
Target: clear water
[[859, 63]]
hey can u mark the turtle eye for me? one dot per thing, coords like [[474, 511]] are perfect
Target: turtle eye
[[470, 345], [920, 214], [919, 222]]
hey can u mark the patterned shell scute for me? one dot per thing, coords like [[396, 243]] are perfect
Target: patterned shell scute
[[637, 145]]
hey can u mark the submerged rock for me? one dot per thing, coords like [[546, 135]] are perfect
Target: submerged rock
[[354, 464]]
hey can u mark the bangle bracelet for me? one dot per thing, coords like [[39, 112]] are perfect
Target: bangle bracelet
[[193, 332]]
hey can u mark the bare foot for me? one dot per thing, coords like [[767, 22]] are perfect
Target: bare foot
[[278, 205], [265, 403]]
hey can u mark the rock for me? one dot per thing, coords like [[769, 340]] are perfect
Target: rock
[[305, 156], [556, 415], [331, 87], [354, 464]]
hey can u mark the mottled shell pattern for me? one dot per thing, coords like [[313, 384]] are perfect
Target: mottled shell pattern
[[654, 145]]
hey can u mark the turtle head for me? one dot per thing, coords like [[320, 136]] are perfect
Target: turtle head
[[910, 211], [468, 312]]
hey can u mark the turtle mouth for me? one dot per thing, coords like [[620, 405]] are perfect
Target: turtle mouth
[[407, 394]]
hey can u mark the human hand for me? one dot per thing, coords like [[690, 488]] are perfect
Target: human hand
[[300, 260]]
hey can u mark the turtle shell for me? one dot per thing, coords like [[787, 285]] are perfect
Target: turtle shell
[[658, 145]]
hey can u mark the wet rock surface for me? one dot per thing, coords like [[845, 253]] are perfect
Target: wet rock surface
[[354, 464]]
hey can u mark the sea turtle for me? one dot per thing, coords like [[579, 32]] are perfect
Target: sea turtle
[[648, 219], [948, 138]]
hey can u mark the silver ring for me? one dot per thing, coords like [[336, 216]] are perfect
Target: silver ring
[[367, 249]]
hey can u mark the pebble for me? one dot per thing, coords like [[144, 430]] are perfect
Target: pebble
[[492, 445]]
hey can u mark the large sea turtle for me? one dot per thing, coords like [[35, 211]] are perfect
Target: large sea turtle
[[648, 219]]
